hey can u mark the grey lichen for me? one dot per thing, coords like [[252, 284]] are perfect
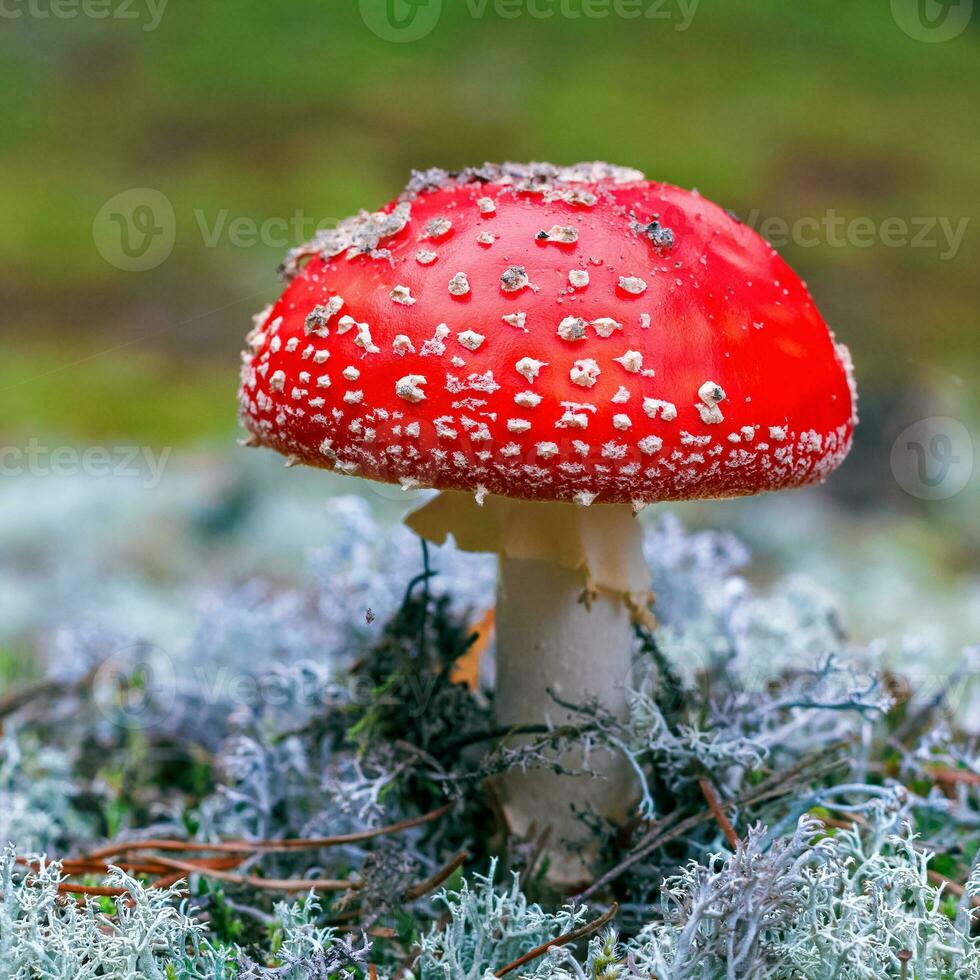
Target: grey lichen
[[337, 707]]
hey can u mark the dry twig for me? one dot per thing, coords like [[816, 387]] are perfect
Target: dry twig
[[424, 887], [569, 937], [718, 812], [266, 884], [673, 826], [266, 846]]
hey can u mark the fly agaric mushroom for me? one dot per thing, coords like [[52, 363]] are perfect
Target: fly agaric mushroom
[[563, 345]]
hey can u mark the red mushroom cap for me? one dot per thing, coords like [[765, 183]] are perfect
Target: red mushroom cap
[[551, 333]]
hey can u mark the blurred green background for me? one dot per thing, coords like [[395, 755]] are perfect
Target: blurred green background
[[240, 112]]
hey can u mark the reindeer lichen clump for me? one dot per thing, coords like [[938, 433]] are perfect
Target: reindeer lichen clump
[[794, 813]]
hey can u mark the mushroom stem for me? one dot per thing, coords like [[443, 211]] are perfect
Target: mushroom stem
[[572, 579], [550, 639]]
